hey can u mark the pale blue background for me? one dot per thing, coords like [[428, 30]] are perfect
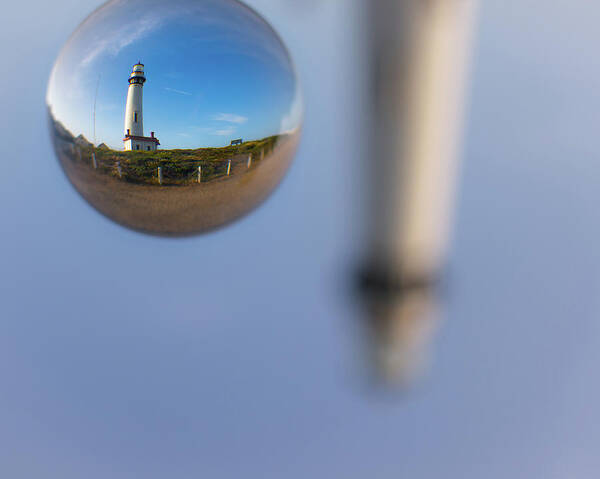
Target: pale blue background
[[233, 355]]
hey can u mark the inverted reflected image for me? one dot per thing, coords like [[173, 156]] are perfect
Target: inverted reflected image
[[174, 118]]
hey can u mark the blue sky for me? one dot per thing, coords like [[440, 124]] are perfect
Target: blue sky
[[215, 71]]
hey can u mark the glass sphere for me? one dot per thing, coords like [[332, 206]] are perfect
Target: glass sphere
[[174, 117]]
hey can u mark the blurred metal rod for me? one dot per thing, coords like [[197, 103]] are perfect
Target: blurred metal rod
[[419, 51]]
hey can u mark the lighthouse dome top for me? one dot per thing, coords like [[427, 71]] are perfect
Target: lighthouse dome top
[[137, 74]]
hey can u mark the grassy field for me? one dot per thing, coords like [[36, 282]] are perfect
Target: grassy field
[[179, 167], [123, 185], [183, 209]]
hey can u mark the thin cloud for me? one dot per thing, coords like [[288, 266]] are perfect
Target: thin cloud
[[231, 118], [224, 132], [121, 37], [181, 92]]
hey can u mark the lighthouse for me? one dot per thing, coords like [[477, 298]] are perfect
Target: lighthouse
[[134, 115]]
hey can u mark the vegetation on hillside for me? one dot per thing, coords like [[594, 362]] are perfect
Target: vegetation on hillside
[[179, 167]]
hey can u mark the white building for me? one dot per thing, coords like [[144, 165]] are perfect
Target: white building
[[134, 119]]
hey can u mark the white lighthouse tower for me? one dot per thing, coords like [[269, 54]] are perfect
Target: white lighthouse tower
[[134, 118]]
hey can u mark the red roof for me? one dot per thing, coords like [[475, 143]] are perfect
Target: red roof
[[142, 138]]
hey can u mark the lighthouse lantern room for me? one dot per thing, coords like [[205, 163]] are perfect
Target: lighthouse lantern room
[[134, 118]]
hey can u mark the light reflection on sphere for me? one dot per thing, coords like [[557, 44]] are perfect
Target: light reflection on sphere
[[174, 117]]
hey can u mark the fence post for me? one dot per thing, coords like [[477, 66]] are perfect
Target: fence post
[[160, 178], [199, 174], [249, 160], [262, 154], [119, 171], [228, 167], [94, 160]]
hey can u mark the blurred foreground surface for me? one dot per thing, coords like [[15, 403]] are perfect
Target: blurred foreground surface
[[235, 354]]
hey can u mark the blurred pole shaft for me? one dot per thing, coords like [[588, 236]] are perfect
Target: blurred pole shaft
[[419, 51]]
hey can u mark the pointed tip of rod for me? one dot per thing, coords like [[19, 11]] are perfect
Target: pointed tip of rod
[[401, 318]]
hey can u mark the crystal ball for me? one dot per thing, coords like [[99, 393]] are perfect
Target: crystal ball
[[174, 117]]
